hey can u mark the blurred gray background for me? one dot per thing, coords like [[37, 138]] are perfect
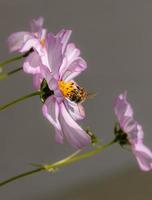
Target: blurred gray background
[[115, 38]]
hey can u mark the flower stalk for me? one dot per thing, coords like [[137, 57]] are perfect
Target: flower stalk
[[20, 176], [66, 161], [80, 157], [5, 75], [2, 107], [6, 62], [18, 57]]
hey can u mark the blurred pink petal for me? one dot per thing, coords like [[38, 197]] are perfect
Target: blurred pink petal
[[24, 41], [17, 40], [32, 64], [144, 156], [134, 132], [37, 80], [37, 24]]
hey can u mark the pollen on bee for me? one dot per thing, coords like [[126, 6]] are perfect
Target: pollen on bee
[[72, 91]]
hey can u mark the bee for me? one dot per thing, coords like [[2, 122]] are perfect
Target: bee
[[79, 94], [74, 92]]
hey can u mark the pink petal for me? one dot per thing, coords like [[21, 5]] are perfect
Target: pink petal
[[63, 67], [37, 80], [72, 52], [140, 133], [130, 127], [31, 43], [124, 113], [136, 134], [73, 63], [17, 40], [50, 110], [54, 50], [75, 110], [74, 69], [73, 132], [122, 108], [59, 136], [144, 156], [64, 35], [32, 64], [48, 76], [37, 24]]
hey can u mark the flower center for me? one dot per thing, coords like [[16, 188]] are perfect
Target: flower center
[[42, 41], [72, 91]]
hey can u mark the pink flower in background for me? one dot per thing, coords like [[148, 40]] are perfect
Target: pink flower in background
[[64, 108], [133, 131], [24, 42]]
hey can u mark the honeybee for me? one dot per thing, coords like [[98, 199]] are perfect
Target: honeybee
[[74, 92], [79, 94]]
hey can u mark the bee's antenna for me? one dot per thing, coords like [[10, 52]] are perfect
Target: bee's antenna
[[91, 95]]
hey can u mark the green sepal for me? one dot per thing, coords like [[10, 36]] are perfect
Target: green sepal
[[45, 92], [120, 135], [94, 138]]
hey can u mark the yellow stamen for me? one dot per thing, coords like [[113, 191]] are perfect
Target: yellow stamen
[[42, 42], [66, 88]]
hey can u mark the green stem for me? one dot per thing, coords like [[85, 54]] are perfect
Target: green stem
[[40, 168], [66, 161], [19, 100], [6, 62], [14, 71], [5, 75], [2, 64], [82, 156], [20, 176]]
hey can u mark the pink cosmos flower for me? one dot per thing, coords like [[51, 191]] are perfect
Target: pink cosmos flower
[[25, 41], [133, 132], [64, 108], [57, 63]]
